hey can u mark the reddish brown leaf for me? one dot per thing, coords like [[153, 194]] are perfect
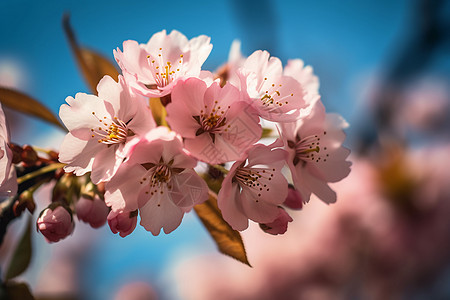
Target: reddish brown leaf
[[228, 240], [25, 104], [93, 65]]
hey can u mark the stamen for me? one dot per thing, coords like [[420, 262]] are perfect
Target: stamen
[[111, 131], [308, 149]]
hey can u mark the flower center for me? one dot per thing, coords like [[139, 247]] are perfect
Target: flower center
[[256, 179], [212, 121], [271, 97], [161, 174], [164, 72], [111, 132], [308, 149]]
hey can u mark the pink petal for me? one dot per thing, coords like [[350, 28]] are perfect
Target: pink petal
[[258, 211], [229, 205], [78, 154], [188, 189], [122, 189], [159, 212]]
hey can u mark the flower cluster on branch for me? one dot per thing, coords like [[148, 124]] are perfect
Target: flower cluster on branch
[[135, 147]]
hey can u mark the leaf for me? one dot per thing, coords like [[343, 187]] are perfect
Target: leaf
[[16, 291], [266, 132], [93, 65], [228, 240], [158, 111], [22, 255], [25, 104]]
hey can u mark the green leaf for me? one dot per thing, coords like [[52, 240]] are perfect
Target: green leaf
[[27, 105], [93, 65], [22, 255], [15, 291], [228, 240]]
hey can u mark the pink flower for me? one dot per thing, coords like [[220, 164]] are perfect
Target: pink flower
[[55, 224], [293, 199], [8, 178], [136, 291], [279, 225], [122, 222], [92, 211], [158, 178], [316, 155], [275, 96], [296, 69], [217, 126], [154, 68], [100, 127], [254, 189]]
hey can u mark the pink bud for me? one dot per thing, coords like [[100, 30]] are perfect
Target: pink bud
[[293, 199], [93, 211], [279, 225], [55, 224], [122, 222]]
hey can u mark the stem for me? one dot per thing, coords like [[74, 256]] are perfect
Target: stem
[[39, 149], [41, 171], [220, 168]]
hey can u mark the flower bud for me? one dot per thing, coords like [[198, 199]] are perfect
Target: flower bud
[[92, 211], [293, 199], [29, 155], [16, 152], [122, 222], [55, 224], [279, 225]]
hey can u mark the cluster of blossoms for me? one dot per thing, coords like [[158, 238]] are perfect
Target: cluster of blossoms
[[139, 166]]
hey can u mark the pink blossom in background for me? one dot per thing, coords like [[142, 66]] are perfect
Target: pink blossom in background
[[158, 179], [8, 178], [316, 154], [136, 291], [366, 239], [92, 211], [55, 224], [235, 61], [122, 222], [99, 127], [154, 68], [275, 96], [216, 124], [254, 188]]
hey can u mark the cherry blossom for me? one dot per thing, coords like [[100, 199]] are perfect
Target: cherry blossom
[[277, 97], [296, 69], [154, 68], [8, 178], [293, 199], [92, 211], [122, 222], [316, 154], [216, 125], [254, 187], [279, 225], [158, 179], [100, 127], [55, 224]]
